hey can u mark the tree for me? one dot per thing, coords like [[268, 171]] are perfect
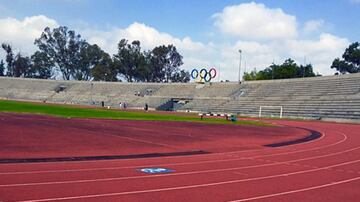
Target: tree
[[17, 66], [289, 69], [307, 71], [351, 60], [42, 65], [250, 76], [182, 76], [155, 71], [145, 70], [165, 62], [9, 59], [104, 69], [22, 66], [2, 68], [90, 56], [129, 60], [104, 73], [63, 47]]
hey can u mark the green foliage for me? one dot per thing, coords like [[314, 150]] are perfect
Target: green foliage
[[90, 57], [9, 59], [17, 66], [74, 57], [129, 60], [182, 76], [351, 60], [289, 69], [73, 112], [22, 66], [63, 47], [2, 68], [62, 50], [104, 70], [42, 65], [158, 65], [165, 62], [250, 76]]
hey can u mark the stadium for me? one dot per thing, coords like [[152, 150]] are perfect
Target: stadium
[[179, 101], [71, 140]]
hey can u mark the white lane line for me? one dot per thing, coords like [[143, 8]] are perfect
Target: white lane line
[[177, 174], [174, 164], [298, 190], [168, 164], [198, 185], [239, 173]]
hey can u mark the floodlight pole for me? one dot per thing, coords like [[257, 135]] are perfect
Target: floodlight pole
[[240, 66]]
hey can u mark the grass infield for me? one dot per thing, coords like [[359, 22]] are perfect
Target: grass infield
[[71, 111]]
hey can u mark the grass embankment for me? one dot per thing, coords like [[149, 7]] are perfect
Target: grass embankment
[[81, 112]]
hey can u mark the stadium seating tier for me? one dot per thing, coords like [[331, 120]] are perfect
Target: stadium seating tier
[[333, 97]]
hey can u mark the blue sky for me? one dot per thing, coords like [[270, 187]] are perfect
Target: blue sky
[[208, 33]]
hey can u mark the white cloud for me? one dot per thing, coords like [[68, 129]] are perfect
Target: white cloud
[[22, 33], [261, 46], [256, 21], [325, 43], [266, 35], [148, 36], [195, 53], [313, 26], [319, 52]]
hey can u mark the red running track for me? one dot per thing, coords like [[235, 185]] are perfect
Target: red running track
[[34, 136], [325, 169]]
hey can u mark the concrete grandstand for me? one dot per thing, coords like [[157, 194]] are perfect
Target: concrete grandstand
[[328, 97]]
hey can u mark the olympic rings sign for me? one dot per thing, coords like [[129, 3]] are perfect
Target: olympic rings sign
[[203, 74]]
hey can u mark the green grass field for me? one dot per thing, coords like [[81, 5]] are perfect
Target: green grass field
[[82, 112]]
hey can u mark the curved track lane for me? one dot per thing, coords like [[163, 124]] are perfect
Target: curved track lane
[[326, 169]]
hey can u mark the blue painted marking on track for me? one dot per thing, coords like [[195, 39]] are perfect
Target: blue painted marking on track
[[155, 170]]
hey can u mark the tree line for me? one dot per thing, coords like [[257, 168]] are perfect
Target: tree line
[[289, 69], [62, 50], [350, 63]]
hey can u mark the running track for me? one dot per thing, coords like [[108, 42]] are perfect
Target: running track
[[325, 169]]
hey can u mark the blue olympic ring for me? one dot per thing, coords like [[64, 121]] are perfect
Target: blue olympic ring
[[204, 74]]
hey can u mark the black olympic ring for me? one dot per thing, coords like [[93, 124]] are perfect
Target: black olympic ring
[[204, 74]]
